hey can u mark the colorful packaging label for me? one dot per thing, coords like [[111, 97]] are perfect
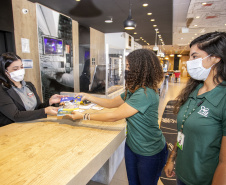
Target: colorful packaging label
[[69, 104]]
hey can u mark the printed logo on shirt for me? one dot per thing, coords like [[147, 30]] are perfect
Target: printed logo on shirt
[[30, 94], [204, 111]]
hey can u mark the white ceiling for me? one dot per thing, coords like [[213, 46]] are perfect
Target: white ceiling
[[198, 18]]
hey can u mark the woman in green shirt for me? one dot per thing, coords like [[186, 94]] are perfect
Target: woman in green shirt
[[145, 149], [200, 150]]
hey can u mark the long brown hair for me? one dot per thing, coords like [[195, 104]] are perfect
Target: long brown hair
[[213, 44], [6, 59], [145, 70]]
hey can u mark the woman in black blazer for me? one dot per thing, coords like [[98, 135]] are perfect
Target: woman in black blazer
[[19, 100]]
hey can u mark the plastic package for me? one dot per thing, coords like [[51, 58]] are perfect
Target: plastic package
[[69, 104]]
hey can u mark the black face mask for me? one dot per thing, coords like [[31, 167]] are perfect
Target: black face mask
[[126, 74]]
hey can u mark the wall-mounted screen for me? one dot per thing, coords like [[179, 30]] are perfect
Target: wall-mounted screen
[[52, 46]]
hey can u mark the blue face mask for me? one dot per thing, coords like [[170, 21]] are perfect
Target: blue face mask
[[196, 69]]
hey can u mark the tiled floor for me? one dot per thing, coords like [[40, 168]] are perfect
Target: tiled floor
[[170, 92]]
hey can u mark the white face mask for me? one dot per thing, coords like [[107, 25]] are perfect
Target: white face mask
[[18, 75], [196, 69]]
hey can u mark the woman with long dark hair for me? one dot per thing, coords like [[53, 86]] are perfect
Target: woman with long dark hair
[[19, 100], [145, 148], [200, 151]]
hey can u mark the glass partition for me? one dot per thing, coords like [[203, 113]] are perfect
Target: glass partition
[[115, 62]]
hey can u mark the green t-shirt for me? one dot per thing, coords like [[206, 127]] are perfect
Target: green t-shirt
[[143, 134], [203, 130]]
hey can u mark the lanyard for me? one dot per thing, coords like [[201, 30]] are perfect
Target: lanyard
[[186, 117]]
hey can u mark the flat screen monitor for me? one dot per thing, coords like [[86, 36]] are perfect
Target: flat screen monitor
[[53, 46], [98, 83]]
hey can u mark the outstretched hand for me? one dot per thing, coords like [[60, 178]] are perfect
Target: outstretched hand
[[85, 96], [75, 115], [55, 99], [52, 111]]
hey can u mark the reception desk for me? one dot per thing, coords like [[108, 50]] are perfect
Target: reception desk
[[57, 151]]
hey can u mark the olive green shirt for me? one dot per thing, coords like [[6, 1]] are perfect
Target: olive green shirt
[[203, 130], [143, 134]]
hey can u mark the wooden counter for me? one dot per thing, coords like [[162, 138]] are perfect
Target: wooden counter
[[50, 152]]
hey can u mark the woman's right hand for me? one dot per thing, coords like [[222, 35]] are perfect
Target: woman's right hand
[[169, 169], [52, 111]]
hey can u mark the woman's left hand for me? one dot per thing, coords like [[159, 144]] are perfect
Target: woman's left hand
[[55, 99], [75, 115]]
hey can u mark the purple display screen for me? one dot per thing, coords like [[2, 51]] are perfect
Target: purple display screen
[[53, 46]]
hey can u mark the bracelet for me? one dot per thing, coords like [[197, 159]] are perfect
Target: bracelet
[[84, 116], [87, 116]]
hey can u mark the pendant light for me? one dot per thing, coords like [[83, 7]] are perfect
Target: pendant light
[[129, 23], [155, 48]]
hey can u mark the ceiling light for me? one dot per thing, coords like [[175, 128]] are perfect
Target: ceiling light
[[197, 17], [77, 0], [135, 33], [225, 24], [140, 37], [109, 21], [129, 23], [149, 13], [179, 55], [204, 4], [172, 55], [166, 58], [195, 25], [195, 33], [152, 20], [155, 25], [145, 4], [181, 38]]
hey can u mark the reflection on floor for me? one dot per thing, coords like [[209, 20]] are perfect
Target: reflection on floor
[[170, 92]]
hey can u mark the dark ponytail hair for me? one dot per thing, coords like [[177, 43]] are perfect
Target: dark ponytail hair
[[213, 44], [6, 59]]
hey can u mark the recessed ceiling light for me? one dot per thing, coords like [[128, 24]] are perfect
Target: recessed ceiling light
[[225, 24], [195, 33], [145, 4], [155, 25], [197, 17], [204, 4], [135, 33], [149, 13], [179, 55], [109, 21], [195, 25], [77, 0], [172, 55], [152, 20]]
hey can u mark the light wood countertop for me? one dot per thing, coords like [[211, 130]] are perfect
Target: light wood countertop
[[56, 151]]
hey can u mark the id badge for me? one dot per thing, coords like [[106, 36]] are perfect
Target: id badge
[[180, 140]]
